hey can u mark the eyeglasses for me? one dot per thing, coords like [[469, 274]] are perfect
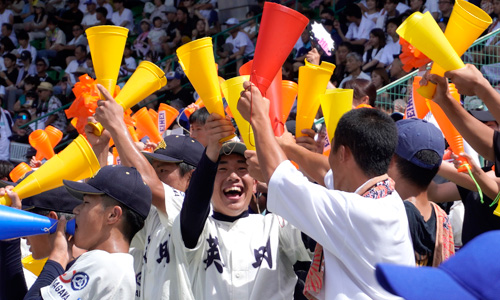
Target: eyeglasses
[[22, 117]]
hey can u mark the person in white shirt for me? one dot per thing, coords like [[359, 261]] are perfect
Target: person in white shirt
[[353, 68], [242, 46], [6, 15], [122, 16], [359, 219], [359, 30], [110, 214], [107, 6], [90, 18]]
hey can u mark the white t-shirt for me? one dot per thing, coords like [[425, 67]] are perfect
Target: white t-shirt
[[401, 7], [362, 31], [96, 274], [361, 75], [391, 48], [5, 133], [71, 68], [157, 268], [239, 41], [90, 20], [4, 17], [250, 258], [356, 232], [126, 15]]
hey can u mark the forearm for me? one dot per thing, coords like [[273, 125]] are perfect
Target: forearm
[[13, 284], [50, 271], [314, 165], [370, 64], [491, 98], [489, 186], [358, 42], [477, 134], [269, 152], [196, 206], [448, 171]]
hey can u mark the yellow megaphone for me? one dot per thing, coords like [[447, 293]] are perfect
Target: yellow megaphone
[[335, 103], [77, 161], [422, 31], [467, 22], [145, 80], [232, 89], [197, 60], [106, 45], [313, 80], [35, 266]]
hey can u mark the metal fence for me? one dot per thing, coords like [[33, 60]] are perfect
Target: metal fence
[[484, 54]]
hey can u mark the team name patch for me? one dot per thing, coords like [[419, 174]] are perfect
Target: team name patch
[[79, 281]]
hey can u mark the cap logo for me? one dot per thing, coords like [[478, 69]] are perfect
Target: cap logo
[[161, 145]]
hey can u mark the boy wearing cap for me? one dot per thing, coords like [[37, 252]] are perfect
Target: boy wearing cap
[[232, 254], [115, 203], [167, 171], [359, 220], [14, 283], [415, 162]]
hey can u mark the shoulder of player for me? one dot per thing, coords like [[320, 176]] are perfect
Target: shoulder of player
[[102, 259]]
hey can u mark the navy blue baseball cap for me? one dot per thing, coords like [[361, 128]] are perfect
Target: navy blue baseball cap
[[124, 184], [415, 135], [468, 275], [58, 200], [177, 149], [231, 147]]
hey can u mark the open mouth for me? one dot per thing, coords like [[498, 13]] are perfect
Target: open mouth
[[233, 193]]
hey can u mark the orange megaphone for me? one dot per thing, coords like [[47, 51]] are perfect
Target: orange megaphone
[[280, 28], [450, 133], [154, 116], [274, 95], [232, 88], [467, 22], [55, 135], [19, 171], [106, 45], [417, 105], [166, 116], [313, 80], [145, 124], [189, 111], [289, 92], [77, 161], [133, 133], [40, 141], [422, 31]]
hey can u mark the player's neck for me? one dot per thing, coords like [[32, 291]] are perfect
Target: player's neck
[[114, 242]]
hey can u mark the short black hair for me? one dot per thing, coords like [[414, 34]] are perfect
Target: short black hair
[[23, 35], [103, 11], [418, 176], [353, 10], [184, 168], [82, 48], [7, 25], [199, 116], [5, 168], [132, 222], [396, 20], [371, 136], [45, 212], [362, 87], [183, 9]]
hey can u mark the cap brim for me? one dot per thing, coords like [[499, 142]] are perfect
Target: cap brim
[[80, 189], [160, 157], [233, 148], [4, 183], [420, 283]]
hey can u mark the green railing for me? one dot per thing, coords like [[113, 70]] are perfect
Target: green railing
[[485, 57]]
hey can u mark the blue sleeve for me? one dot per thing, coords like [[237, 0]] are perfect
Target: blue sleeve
[[50, 272], [196, 206], [12, 282]]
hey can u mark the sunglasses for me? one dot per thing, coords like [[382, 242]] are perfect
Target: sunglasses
[[22, 117]]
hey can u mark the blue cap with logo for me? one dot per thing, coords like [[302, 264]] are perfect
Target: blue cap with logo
[[177, 149]]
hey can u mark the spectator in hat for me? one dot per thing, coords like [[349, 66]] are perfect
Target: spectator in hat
[[54, 40], [102, 16], [24, 45], [69, 18], [42, 65], [53, 204], [36, 28], [167, 171], [49, 103], [26, 68], [9, 33], [110, 214], [122, 16], [241, 47], [463, 276], [90, 17]]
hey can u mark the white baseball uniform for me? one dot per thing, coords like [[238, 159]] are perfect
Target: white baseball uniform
[[96, 274]]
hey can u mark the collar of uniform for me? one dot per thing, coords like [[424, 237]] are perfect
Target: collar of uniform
[[224, 218]]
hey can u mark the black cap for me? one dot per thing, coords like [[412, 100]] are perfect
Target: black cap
[[482, 115], [25, 55], [177, 149], [230, 147], [58, 200], [124, 184]]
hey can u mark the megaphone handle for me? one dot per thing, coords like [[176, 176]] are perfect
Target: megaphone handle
[[227, 138], [5, 200], [427, 91], [97, 128], [465, 163]]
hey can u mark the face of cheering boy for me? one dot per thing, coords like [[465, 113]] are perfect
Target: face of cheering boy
[[233, 186]]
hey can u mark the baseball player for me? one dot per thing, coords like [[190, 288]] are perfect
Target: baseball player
[[232, 254], [167, 171], [114, 205]]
